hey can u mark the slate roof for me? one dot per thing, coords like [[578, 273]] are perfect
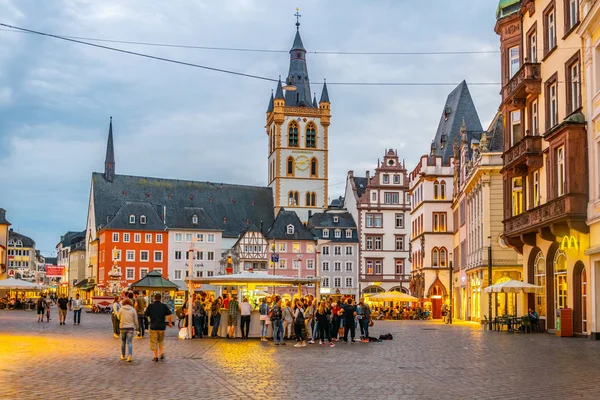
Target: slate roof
[[298, 76], [507, 7], [495, 134], [279, 228], [229, 206], [154, 280], [271, 105], [459, 106], [3, 217], [325, 93], [51, 260], [361, 185], [71, 237], [154, 221], [25, 240], [185, 220], [325, 220]]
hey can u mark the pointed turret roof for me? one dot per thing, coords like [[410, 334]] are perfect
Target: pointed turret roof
[[324, 94], [271, 101], [298, 75], [298, 45], [279, 91], [109, 162], [315, 104]]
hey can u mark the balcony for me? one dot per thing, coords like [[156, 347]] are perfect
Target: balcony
[[526, 81], [549, 220], [526, 154]]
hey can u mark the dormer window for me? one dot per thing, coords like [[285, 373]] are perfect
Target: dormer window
[[194, 219], [336, 219], [338, 233], [348, 233], [132, 219], [325, 233], [290, 229], [143, 219]]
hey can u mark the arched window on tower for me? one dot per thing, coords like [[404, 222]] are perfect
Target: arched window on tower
[[443, 190], [311, 135], [290, 166], [313, 199], [443, 257], [313, 167], [293, 134], [308, 199], [436, 190], [435, 257], [291, 198]]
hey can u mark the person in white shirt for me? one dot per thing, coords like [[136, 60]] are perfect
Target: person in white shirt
[[246, 311], [77, 305]]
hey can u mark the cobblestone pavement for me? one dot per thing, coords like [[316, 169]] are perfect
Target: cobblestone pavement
[[426, 360]]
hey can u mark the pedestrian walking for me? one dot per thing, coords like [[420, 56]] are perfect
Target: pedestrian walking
[[322, 316], [264, 319], [114, 316], [232, 308], [158, 312], [246, 313], [215, 316], [299, 324], [140, 308], [63, 304], [76, 305], [128, 324], [41, 307]]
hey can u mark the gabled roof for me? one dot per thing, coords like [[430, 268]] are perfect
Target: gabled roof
[[459, 106], [70, 238], [3, 217], [495, 135], [282, 221], [232, 207], [25, 240], [361, 185], [137, 209], [184, 219], [326, 220], [51, 260]]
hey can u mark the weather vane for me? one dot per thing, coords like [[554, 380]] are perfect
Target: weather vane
[[297, 15]]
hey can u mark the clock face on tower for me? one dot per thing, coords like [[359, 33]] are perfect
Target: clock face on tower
[[302, 163]]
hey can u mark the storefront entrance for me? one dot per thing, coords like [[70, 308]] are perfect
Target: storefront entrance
[[436, 302]]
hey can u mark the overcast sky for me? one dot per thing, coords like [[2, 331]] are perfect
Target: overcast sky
[[181, 122]]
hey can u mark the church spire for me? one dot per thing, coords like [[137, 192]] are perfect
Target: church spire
[[109, 162], [271, 101], [298, 73], [324, 94]]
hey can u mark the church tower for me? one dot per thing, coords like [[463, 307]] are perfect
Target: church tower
[[297, 128]]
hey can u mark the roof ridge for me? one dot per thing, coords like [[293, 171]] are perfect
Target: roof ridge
[[184, 180]]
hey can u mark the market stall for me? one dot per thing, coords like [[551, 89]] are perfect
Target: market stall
[[22, 292], [251, 285]]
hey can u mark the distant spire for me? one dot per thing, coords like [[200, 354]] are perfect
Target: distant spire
[[297, 15], [271, 101], [298, 73], [279, 91], [324, 93], [315, 104], [109, 162]]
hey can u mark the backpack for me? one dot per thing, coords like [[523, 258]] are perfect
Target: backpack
[[118, 308], [300, 317], [387, 336]]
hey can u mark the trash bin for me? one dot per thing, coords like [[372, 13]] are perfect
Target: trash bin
[[564, 323]]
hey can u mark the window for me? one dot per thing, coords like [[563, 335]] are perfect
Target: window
[[159, 238], [435, 257], [439, 222], [310, 264], [443, 257], [194, 219], [325, 282], [188, 237], [348, 233], [325, 233], [349, 250], [115, 237], [399, 243], [462, 212], [137, 237], [336, 219], [573, 86], [560, 171], [144, 254], [378, 243], [325, 266], [296, 264], [178, 254], [199, 274], [313, 167], [337, 233], [549, 29], [290, 229], [158, 256], [337, 250], [369, 267], [378, 267], [148, 238], [117, 255], [533, 47], [436, 190], [143, 272], [282, 247], [516, 133], [126, 237], [309, 248], [210, 255], [534, 117], [348, 266], [369, 243], [373, 197], [209, 273], [296, 247], [210, 238], [517, 195], [337, 266], [130, 255], [337, 282], [514, 60], [397, 179], [282, 263], [293, 198], [374, 221], [552, 105], [399, 267], [391, 198], [129, 273], [540, 280], [325, 250], [132, 219], [536, 188], [311, 135], [178, 274], [399, 221], [571, 14], [199, 238], [143, 219], [290, 166], [348, 282], [386, 178], [293, 134]]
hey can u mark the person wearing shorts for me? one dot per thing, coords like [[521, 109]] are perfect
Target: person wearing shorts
[[158, 312], [41, 305], [233, 308], [63, 305]]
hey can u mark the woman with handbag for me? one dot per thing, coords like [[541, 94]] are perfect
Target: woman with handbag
[[264, 319]]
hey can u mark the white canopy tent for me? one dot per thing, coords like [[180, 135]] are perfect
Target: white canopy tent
[[18, 284]]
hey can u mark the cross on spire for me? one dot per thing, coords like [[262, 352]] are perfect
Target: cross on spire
[[297, 15]]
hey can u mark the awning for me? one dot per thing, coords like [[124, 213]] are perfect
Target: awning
[[82, 283], [88, 287]]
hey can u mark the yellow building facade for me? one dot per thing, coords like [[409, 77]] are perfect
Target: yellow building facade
[[4, 224]]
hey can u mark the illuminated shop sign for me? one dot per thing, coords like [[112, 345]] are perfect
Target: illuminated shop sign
[[569, 242]]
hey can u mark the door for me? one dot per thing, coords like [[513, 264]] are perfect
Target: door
[[436, 308]]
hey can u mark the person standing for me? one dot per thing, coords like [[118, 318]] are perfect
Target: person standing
[[63, 304], [198, 317], [299, 324], [322, 316], [140, 308], [309, 315], [215, 315], [41, 307], [264, 318], [349, 312], [288, 320], [246, 313], [276, 315], [226, 301], [336, 318], [76, 305], [232, 308], [128, 324], [158, 312], [363, 313], [114, 316]]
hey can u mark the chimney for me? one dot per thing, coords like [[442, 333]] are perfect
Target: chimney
[[2, 213], [261, 227], [368, 175], [309, 214]]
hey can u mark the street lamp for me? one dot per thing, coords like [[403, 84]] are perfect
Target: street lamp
[[451, 284], [490, 280]]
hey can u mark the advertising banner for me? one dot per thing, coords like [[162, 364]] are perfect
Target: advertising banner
[[53, 271]]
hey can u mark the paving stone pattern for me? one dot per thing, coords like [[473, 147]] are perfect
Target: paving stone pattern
[[426, 360]]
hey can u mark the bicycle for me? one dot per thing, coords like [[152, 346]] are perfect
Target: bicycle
[[447, 317]]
